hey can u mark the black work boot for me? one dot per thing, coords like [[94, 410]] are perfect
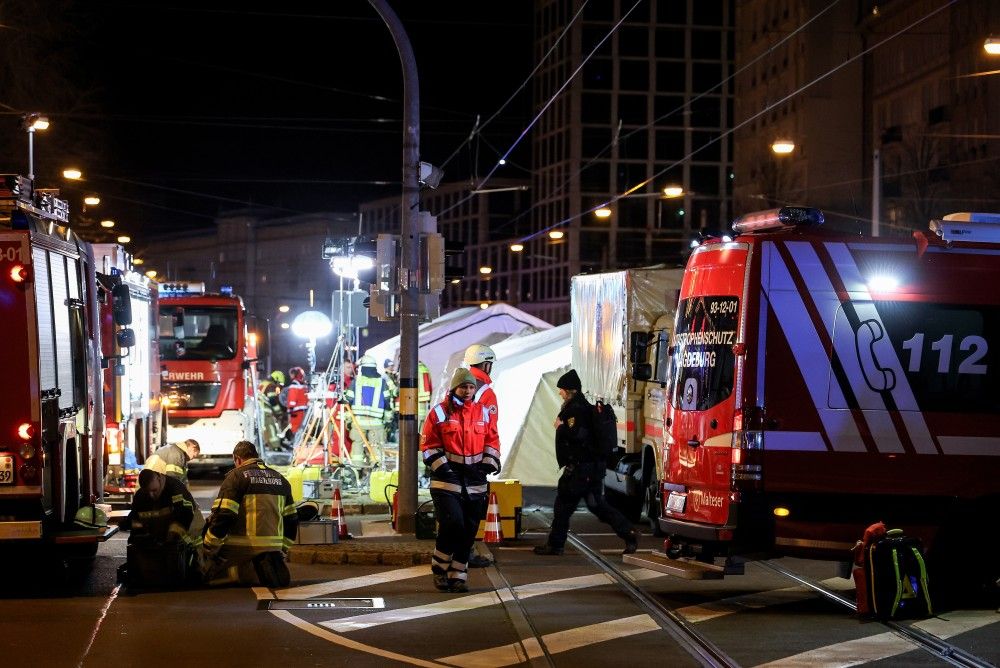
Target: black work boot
[[476, 561], [631, 542], [440, 581], [548, 550], [271, 570], [457, 586]]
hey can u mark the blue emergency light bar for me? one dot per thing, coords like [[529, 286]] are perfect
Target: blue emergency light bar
[[777, 219]]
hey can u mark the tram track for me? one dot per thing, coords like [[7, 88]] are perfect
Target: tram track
[[939, 647]]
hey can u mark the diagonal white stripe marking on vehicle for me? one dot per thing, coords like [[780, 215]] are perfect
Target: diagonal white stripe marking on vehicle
[[902, 393], [800, 334], [827, 303], [334, 586], [561, 641], [462, 603]]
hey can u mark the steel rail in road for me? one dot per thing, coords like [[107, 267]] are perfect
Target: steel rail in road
[[693, 642], [942, 649]]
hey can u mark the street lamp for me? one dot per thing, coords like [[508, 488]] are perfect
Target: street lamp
[[72, 173], [311, 325], [782, 146], [555, 235], [124, 239], [91, 200], [516, 248], [992, 46], [107, 224], [603, 212], [30, 123], [673, 191]]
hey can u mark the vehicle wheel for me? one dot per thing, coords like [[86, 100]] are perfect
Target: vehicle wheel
[[651, 507], [347, 476]]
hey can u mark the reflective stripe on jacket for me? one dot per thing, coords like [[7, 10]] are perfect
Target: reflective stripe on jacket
[[176, 459], [172, 512], [454, 441], [254, 511], [370, 400]]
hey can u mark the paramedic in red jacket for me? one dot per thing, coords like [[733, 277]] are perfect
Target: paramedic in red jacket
[[460, 445]]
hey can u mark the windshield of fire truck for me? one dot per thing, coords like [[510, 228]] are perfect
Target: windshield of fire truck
[[197, 333], [702, 350]]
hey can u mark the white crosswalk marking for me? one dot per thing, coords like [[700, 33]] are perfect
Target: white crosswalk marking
[[728, 606], [885, 645], [334, 586], [561, 641], [460, 603]]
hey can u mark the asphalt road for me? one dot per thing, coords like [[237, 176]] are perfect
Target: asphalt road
[[559, 611]]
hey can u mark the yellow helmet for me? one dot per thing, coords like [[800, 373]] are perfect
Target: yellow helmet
[[91, 517]]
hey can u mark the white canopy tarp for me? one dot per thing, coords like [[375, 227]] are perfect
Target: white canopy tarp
[[453, 332]]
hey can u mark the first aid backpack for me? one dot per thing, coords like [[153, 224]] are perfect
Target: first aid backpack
[[896, 577]]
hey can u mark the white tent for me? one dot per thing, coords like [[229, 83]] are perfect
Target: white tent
[[439, 339], [524, 379]]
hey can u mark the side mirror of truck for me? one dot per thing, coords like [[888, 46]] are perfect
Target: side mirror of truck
[[125, 338], [638, 344], [121, 305], [642, 371]]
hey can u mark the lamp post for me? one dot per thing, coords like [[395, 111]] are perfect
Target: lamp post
[[30, 123], [409, 269]]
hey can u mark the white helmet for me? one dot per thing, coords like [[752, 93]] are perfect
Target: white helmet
[[479, 354], [366, 360]]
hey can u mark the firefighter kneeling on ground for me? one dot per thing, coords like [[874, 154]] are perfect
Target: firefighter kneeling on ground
[[459, 443], [371, 405], [161, 547], [252, 525]]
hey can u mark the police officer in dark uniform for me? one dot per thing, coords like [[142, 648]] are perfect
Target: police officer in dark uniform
[[583, 471]]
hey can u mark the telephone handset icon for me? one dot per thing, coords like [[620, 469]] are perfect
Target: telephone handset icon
[[878, 377]]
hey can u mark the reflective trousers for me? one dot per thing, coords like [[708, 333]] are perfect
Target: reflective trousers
[[458, 519]]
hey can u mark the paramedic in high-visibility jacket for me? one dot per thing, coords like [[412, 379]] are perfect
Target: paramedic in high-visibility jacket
[[459, 443], [371, 404], [252, 525]]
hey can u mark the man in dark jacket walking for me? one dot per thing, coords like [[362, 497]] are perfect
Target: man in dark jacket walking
[[583, 470]]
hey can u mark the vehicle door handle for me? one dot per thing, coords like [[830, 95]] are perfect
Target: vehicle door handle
[[693, 443]]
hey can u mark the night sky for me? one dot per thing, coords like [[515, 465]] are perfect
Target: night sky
[[192, 108]]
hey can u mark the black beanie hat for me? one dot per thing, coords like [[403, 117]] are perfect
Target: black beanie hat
[[569, 381]]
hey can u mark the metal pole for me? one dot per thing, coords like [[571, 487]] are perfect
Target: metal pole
[[876, 191], [409, 267], [31, 154]]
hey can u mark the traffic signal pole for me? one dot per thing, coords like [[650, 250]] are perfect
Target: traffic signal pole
[[409, 270]]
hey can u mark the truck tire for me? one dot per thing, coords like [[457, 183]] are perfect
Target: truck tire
[[651, 507]]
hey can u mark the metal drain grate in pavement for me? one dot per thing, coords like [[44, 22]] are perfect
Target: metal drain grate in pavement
[[321, 604]]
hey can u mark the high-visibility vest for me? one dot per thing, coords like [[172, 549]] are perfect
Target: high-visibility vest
[[370, 401], [424, 385]]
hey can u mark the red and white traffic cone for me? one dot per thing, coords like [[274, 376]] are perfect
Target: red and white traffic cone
[[337, 513], [493, 533]]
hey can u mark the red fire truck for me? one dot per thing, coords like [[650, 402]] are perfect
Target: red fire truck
[[209, 362], [134, 420], [823, 382], [51, 417]]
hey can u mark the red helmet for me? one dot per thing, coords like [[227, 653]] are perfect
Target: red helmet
[[297, 373]]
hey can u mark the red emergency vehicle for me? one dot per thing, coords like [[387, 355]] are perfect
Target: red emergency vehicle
[[209, 366], [823, 382], [51, 416], [135, 424]]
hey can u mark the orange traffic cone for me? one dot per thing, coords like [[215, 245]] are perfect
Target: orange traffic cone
[[493, 534], [337, 513]]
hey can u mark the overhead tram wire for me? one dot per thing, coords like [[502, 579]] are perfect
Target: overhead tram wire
[[686, 105], [544, 108], [765, 110], [477, 128], [193, 193]]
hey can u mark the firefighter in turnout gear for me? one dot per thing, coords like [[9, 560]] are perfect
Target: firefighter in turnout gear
[[371, 403], [252, 525], [275, 416], [175, 457], [460, 445], [295, 399]]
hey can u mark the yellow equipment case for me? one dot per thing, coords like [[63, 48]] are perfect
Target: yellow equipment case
[[509, 498]]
